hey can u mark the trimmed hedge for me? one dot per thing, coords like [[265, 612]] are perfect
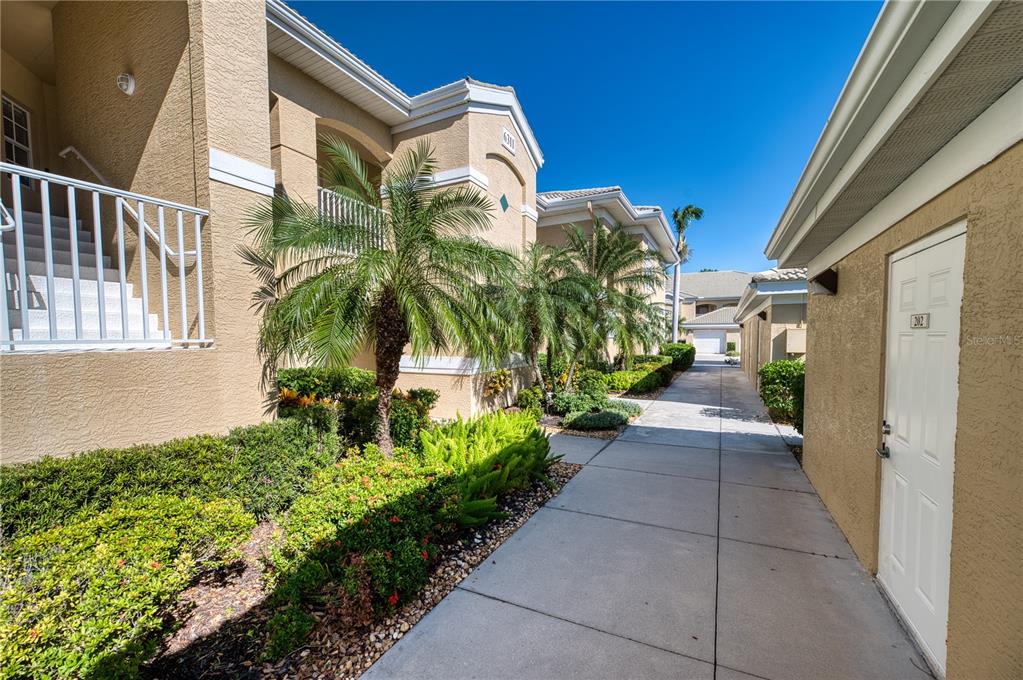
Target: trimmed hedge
[[88, 599], [264, 466], [682, 354], [365, 535], [600, 420], [346, 400], [779, 380], [368, 525]]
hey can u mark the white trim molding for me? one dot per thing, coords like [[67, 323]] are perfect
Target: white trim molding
[[530, 212], [458, 175], [453, 365], [236, 171]]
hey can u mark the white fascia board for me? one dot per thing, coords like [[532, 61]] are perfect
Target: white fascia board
[[311, 38], [230, 169], [462, 97], [754, 305], [624, 213], [909, 46], [993, 132], [529, 212], [710, 326], [458, 176]]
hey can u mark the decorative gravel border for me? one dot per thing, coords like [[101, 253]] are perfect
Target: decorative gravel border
[[334, 650]]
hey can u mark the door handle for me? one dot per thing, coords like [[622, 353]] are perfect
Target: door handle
[[883, 451]]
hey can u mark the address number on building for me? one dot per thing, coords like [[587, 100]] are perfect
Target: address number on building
[[920, 321]]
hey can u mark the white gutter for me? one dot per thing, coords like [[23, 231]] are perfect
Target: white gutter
[[902, 33]]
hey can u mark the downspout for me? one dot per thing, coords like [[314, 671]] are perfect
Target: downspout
[[674, 302]]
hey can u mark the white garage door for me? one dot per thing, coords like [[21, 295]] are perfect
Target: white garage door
[[709, 342]]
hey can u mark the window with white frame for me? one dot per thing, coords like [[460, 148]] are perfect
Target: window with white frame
[[17, 138]]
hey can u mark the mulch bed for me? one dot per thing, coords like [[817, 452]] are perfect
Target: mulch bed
[[222, 616]]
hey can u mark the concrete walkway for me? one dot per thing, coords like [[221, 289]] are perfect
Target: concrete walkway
[[693, 546]]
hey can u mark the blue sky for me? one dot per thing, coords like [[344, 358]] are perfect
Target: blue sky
[[717, 104]]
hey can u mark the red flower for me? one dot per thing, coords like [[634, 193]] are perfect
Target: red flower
[[393, 599], [155, 565], [120, 563], [388, 555], [395, 519], [425, 555]]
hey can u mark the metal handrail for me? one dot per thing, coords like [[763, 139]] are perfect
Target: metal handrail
[[127, 206], [6, 218]]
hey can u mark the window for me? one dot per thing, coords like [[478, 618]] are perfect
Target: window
[[17, 145]]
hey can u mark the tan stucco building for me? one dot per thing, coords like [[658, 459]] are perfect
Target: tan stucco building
[[707, 304], [137, 138], [610, 207], [909, 221], [772, 319]]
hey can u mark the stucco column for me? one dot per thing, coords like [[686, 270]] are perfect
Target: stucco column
[[674, 302]]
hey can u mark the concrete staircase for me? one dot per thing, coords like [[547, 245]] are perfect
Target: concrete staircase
[[64, 288]]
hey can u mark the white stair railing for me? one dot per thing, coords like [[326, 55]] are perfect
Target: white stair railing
[[60, 292], [170, 252], [343, 209]]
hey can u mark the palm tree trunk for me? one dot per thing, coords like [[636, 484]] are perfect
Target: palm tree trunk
[[571, 370], [390, 342]]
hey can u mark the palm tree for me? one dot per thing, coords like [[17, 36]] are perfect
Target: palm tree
[[615, 264], [681, 217], [404, 268], [546, 290]]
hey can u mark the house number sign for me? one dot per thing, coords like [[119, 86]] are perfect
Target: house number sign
[[920, 321]]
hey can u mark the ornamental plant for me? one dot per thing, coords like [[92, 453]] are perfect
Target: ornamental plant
[[408, 267]]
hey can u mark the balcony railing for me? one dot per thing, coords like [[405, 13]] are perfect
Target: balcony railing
[[343, 209], [63, 292]]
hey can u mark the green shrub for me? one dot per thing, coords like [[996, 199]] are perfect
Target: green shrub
[[333, 384], [88, 599], [565, 402], [621, 381], [368, 525], [682, 354], [798, 388], [591, 383], [490, 455], [410, 414], [648, 383], [658, 359], [729, 347], [776, 386], [529, 398], [626, 408], [601, 420], [264, 466]]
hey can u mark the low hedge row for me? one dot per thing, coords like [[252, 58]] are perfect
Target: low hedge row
[[264, 466], [88, 598], [682, 354], [364, 536], [345, 400]]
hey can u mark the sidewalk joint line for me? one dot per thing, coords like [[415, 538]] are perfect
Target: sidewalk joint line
[[632, 521], [717, 539], [582, 625]]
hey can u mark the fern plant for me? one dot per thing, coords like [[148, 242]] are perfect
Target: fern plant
[[490, 455]]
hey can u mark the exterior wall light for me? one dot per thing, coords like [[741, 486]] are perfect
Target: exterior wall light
[[126, 83]]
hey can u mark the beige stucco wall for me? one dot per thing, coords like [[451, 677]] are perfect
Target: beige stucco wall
[[845, 382], [201, 71]]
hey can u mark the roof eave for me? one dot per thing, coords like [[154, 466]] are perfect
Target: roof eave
[[901, 34]]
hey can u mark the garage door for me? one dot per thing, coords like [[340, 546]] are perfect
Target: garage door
[[709, 342]]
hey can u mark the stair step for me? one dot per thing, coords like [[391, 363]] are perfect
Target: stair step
[[39, 324], [30, 217], [33, 268], [56, 230], [88, 300], [62, 242], [85, 259], [64, 285]]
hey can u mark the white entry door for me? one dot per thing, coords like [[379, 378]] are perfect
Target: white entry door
[[709, 342], [921, 391]]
